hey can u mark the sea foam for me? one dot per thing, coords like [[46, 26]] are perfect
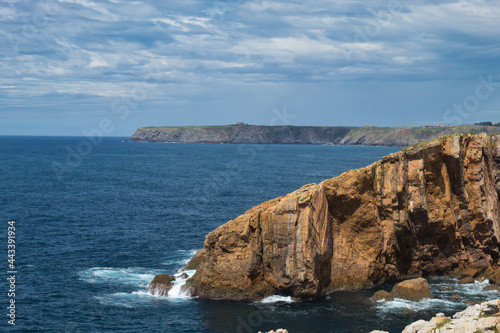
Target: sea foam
[[276, 299], [139, 278], [176, 291]]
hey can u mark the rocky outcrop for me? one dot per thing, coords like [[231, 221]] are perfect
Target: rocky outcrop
[[249, 134], [161, 285], [413, 290], [431, 209], [484, 317]]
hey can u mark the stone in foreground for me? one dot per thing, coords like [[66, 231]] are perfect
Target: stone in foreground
[[482, 317]]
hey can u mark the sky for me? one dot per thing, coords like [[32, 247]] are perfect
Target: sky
[[74, 67]]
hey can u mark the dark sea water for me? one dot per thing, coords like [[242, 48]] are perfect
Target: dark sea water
[[96, 221]]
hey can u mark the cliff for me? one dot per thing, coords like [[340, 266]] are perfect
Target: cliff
[[249, 134], [430, 209]]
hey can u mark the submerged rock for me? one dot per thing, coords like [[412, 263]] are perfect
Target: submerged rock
[[413, 290], [426, 210], [161, 284], [382, 295], [492, 287]]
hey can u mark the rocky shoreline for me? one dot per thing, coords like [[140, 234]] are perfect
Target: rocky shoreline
[[432, 209], [483, 317]]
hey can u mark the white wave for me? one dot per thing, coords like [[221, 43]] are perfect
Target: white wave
[[449, 296], [140, 278], [143, 297], [426, 303], [277, 298], [176, 291], [128, 300], [129, 276]]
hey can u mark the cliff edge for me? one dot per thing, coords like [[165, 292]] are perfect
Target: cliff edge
[[430, 209]]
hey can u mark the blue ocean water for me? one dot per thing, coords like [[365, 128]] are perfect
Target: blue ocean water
[[96, 221]]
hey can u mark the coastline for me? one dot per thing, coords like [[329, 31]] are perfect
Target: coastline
[[483, 317], [308, 135]]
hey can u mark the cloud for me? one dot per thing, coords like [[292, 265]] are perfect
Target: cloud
[[106, 48]]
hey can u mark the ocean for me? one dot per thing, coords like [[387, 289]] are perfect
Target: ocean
[[95, 220]]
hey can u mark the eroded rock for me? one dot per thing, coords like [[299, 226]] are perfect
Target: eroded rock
[[427, 210]]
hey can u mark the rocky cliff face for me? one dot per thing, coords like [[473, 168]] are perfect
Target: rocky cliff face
[[248, 134], [432, 209]]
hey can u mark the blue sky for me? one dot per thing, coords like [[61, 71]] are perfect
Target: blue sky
[[70, 66]]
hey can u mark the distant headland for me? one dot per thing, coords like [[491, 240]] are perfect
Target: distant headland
[[241, 133]]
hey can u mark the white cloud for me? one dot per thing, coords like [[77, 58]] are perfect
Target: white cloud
[[8, 14], [286, 49], [97, 7], [106, 48]]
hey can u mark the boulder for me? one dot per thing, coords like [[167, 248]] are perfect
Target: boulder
[[161, 285], [473, 272], [466, 280], [489, 272], [492, 287], [413, 290], [495, 277], [382, 295]]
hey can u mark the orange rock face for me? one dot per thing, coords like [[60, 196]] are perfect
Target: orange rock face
[[426, 210]]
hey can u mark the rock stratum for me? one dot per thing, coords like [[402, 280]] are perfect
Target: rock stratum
[[251, 134], [430, 209]]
